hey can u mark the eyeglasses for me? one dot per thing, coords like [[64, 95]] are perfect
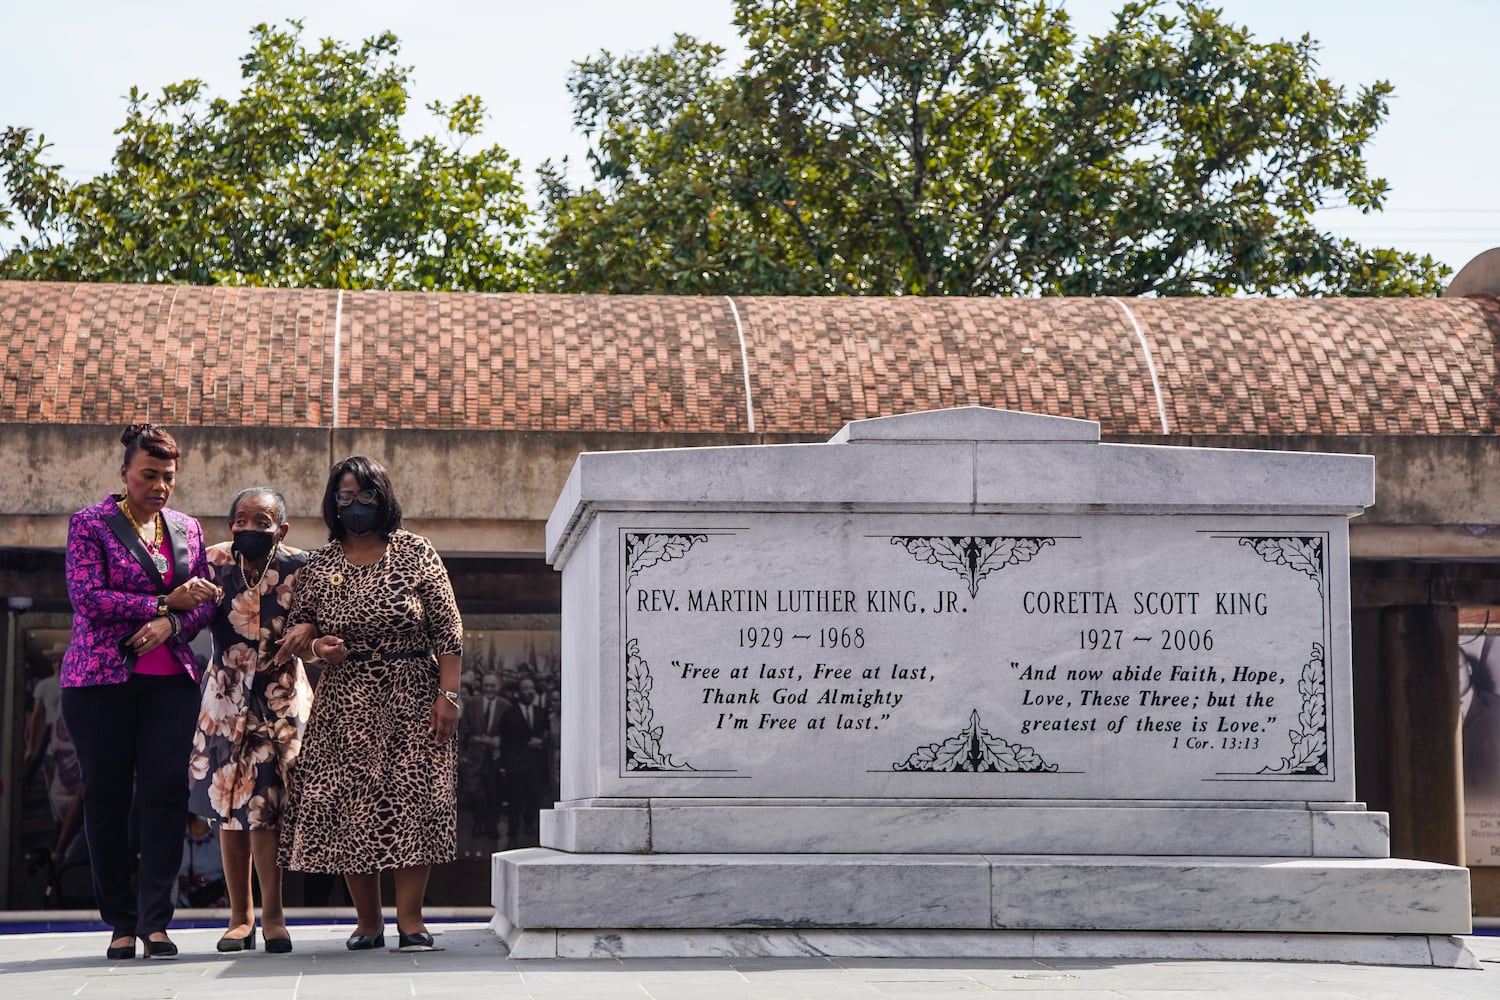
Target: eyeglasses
[[344, 497]]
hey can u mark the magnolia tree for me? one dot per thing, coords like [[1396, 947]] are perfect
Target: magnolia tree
[[971, 147], [303, 180]]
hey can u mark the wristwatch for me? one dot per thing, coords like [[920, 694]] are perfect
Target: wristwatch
[[452, 697], [161, 605]]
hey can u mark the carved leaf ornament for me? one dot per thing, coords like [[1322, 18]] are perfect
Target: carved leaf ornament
[[642, 551], [972, 557], [1305, 555], [643, 750], [974, 749], [1309, 743]]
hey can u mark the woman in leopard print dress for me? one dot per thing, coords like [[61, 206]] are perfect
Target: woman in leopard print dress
[[375, 786]]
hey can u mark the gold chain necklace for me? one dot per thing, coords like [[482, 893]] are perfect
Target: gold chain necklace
[[270, 559], [153, 546]]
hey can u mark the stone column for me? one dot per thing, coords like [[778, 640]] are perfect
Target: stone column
[[1419, 665]]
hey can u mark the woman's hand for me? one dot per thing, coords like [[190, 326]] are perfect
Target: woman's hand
[[297, 641], [444, 720], [193, 593], [150, 635], [329, 649]]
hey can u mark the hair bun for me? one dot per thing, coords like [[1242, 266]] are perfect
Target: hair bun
[[134, 431]]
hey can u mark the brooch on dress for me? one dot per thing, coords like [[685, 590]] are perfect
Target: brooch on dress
[[335, 579]]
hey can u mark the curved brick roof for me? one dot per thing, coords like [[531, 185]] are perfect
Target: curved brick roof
[[89, 353]]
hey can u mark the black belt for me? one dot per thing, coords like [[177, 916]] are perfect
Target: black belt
[[378, 657]]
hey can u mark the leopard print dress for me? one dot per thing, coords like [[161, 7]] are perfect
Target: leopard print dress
[[370, 791]]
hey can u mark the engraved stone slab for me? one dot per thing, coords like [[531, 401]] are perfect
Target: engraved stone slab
[[1000, 656], [959, 683]]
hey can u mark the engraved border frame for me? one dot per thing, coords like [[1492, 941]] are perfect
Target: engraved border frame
[[1325, 604]]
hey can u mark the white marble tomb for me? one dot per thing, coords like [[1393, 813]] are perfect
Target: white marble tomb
[[958, 683]]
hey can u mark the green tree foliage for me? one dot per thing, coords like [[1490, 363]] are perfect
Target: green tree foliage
[[304, 180], [971, 147]]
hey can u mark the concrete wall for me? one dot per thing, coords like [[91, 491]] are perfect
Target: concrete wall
[[1435, 496], [489, 492], [471, 492]]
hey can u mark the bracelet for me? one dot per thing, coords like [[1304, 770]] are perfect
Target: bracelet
[[452, 697], [176, 625]]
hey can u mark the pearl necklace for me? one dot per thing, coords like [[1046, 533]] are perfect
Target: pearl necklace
[[153, 545]]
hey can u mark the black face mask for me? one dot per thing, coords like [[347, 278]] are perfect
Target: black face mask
[[359, 518], [254, 545]]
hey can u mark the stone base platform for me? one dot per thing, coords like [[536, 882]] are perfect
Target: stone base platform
[[965, 826], [553, 904], [1437, 951]]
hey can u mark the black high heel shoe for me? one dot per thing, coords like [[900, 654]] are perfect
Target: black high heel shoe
[[246, 943], [366, 942], [116, 953], [278, 945], [160, 949]]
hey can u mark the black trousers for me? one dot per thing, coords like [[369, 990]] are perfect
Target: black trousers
[[133, 742]]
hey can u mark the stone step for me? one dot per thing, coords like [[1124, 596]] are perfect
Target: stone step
[[695, 826], [1435, 950], [544, 888]]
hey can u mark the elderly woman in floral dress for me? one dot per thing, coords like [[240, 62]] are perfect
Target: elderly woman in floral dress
[[250, 725]]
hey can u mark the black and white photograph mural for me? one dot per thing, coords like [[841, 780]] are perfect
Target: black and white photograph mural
[[508, 737], [1479, 680]]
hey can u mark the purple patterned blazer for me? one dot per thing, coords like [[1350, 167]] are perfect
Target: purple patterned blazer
[[114, 586]]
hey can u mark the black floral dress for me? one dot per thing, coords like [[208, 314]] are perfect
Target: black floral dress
[[250, 723], [371, 791]]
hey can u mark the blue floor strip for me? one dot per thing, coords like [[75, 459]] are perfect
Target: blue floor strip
[[69, 926]]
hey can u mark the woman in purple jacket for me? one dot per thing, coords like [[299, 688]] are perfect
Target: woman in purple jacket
[[139, 581]]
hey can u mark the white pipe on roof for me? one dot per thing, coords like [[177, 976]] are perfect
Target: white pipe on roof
[[739, 331], [338, 323], [1161, 407]]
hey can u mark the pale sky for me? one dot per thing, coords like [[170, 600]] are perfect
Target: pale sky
[[66, 65]]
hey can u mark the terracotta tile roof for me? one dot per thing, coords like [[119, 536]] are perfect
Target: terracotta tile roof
[[88, 353]]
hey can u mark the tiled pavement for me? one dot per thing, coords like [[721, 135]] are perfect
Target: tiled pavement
[[473, 964]]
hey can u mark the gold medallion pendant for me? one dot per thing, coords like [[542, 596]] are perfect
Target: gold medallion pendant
[[336, 578]]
